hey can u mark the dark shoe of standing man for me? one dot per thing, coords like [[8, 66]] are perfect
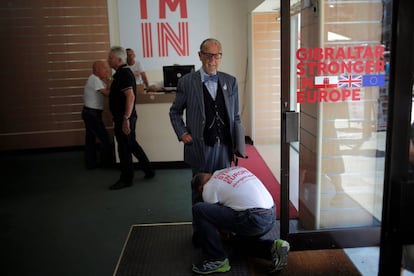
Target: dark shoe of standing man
[[120, 185]]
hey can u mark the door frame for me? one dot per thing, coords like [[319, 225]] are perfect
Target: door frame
[[393, 233], [397, 146]]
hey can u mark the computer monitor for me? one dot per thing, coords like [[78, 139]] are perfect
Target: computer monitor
[[173, 73]]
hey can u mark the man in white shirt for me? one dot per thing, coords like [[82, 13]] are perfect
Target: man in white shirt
[[234, 201], [95, 90], [137, 68]]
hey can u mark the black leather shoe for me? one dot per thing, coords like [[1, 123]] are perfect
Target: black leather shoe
[[91, 166], [119, 185]]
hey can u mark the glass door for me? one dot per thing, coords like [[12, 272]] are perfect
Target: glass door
[[340, 74]]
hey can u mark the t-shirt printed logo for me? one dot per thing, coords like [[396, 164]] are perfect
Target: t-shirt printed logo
[[234, 176]]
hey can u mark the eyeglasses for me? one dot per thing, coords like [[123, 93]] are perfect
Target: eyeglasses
[[210, 56]]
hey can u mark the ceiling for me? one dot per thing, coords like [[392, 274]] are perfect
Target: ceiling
[[272, 5], [268, 5]]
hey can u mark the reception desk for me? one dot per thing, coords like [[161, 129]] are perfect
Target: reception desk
[[154, 131], [155, 98]]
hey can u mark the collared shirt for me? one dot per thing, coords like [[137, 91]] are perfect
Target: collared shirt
[[211, 85], [123, 79]]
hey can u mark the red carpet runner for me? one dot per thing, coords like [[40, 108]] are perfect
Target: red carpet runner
[[257, 165]]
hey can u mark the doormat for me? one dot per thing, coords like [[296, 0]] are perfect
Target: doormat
[[311, 263], [166, 249]]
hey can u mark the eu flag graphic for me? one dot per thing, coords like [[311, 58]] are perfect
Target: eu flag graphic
[[373, 80]]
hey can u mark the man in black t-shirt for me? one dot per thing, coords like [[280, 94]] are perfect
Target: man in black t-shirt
[[122, 105]]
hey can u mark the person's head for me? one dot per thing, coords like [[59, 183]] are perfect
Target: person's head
[[199, 180], [100, 69], [116, 57], [210, 55], [130, 56]]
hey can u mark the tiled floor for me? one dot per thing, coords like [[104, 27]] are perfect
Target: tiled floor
[[77, 220], [366, 260]]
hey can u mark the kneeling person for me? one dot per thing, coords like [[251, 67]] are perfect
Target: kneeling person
[[234, 201]]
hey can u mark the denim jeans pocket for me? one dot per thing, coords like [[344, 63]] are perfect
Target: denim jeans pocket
[[255, 222]]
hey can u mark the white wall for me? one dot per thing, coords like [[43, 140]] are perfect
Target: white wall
[[230, 23]]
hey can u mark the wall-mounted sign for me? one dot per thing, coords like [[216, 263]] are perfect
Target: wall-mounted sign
[[338, 74], [163, 32]]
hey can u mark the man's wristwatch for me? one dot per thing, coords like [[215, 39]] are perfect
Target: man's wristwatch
[[126, 117]]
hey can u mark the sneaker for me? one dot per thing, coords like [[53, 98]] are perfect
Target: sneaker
[[279, 251], [207, 267]]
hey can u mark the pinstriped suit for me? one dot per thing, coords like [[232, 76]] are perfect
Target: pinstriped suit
[[189, 97]]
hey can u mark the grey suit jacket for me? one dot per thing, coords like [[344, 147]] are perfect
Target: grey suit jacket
[[189, 97]]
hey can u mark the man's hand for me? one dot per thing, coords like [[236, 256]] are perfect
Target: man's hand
[[125, 127], [187, 139]]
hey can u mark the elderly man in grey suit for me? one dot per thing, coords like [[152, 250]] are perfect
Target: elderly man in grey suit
[[212, 132]]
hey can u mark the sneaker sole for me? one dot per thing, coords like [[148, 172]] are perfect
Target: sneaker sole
[[221, 269], [224, 268]]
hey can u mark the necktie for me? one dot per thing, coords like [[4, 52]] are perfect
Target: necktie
[[213, 78]]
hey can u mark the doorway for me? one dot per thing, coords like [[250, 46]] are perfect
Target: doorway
[[340, 154]]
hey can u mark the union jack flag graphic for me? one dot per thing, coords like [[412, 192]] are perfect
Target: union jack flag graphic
[[350, 81]]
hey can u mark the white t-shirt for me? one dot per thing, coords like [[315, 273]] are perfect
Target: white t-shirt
[[137, 67], [92, 98], [237, 188]]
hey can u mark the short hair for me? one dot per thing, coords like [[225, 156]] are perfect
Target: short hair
[[119, 53], [209, 40]]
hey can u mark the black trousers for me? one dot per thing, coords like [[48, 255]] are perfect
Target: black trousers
[[128, 145], [95, 128]]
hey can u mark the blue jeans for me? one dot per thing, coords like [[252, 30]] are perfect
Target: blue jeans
[[250, 224]]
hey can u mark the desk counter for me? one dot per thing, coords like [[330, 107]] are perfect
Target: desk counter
[[154, 131], [155, 97]]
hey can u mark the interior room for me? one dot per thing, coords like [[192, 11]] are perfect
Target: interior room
[[325, 162]]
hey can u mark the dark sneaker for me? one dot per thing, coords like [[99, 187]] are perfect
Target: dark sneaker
[[208, 267], [279, 251]]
